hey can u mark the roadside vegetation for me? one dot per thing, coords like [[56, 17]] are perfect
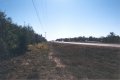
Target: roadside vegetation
[[32, 65], [110, 38], [35, 64], [15, 38], [89, 62], [26, 55]]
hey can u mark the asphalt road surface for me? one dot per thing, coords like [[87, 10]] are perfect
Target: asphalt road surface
[[92, 44]]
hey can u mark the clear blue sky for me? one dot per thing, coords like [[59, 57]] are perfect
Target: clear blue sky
[[66, 18]]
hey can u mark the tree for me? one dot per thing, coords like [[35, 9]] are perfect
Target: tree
[[3, 49], [112, 38], [15, 38]]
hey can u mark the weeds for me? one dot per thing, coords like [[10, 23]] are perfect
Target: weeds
[[90, 62]]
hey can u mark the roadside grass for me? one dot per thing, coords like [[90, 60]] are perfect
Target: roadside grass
[[89, 62], [35, 64], [32, 65]]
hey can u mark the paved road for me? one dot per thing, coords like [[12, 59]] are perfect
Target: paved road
[[93, 44]]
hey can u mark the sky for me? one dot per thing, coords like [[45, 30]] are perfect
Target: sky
[[66, 18]]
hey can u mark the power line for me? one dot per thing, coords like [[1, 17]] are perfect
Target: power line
[[46, 12], [37, 14], [38, 17], [46, 17]]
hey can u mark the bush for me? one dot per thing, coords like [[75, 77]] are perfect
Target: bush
[[3, 49], [14, 38]]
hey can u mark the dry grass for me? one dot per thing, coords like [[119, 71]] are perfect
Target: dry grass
[[34, 65], [80, 63], [89, 62]]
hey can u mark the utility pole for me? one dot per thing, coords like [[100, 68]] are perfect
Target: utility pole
[[24, 23], [45, 35]]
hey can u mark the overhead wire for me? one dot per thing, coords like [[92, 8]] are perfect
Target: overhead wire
[[45, 15], [46, 11], [37, 14]]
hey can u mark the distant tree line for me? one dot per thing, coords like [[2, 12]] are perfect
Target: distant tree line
[[14, 38], [111, 38]]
